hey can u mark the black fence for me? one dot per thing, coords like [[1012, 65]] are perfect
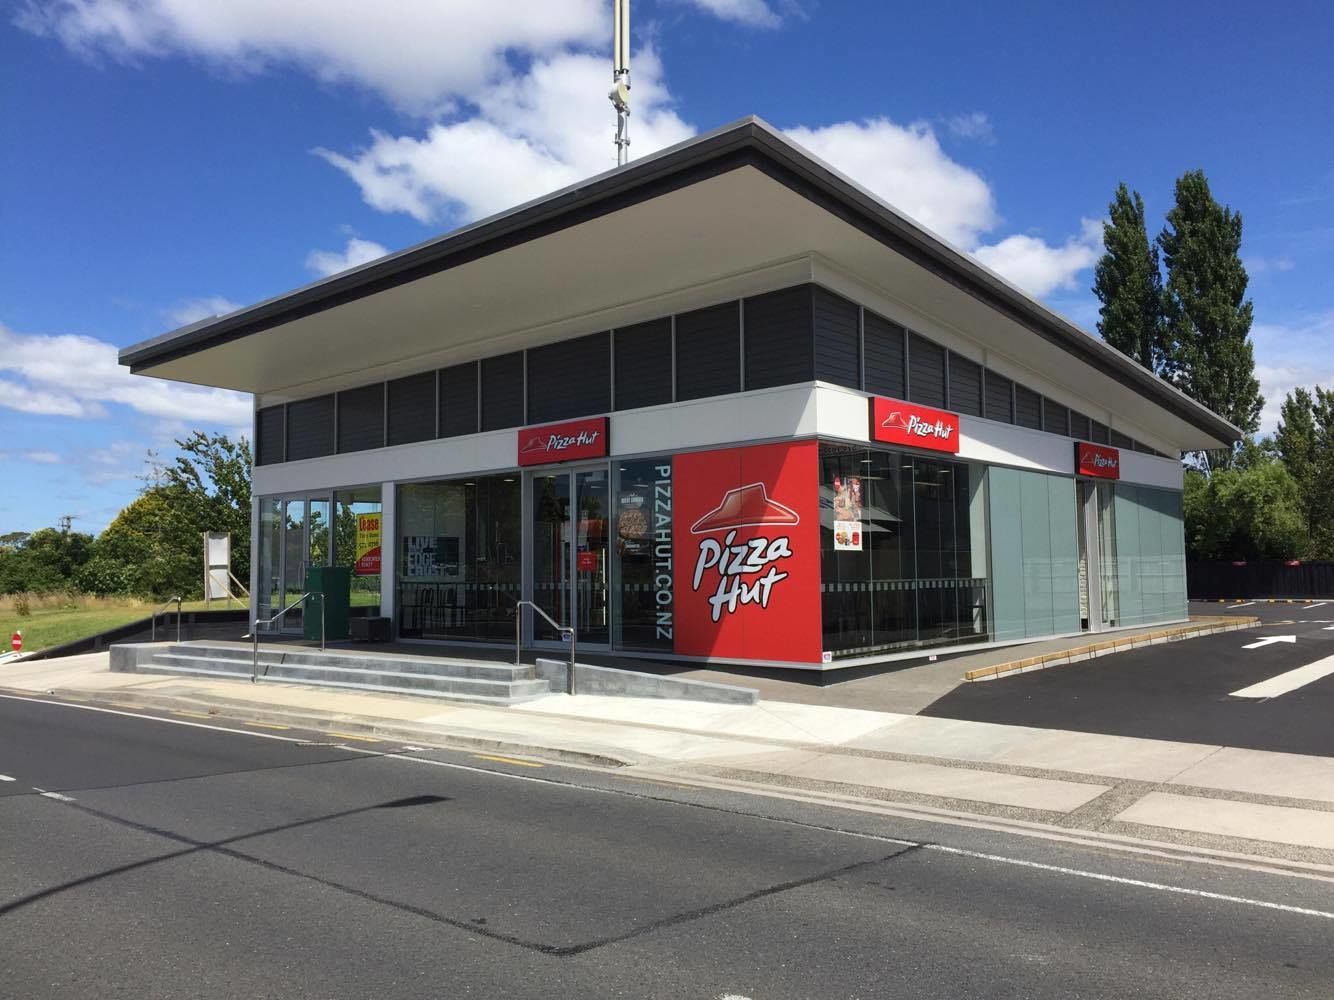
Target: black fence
[[1269, 578]]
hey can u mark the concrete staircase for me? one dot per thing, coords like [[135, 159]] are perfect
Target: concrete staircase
[[430, 676]]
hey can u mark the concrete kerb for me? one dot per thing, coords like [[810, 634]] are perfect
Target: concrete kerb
[[614, 682], [1064, 657]]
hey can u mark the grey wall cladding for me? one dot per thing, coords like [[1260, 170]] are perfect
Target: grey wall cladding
[[458, 400], [643, 364], [708, 352], [269, 436], [571, 378], [837, 339], [1027, 408], [999, 398], [779, 338], [310, 428], [965, 386], [884, 356], [502, 391], [1079, 426], [361, 418], [412, 409], [1055, 418], [926, 371]]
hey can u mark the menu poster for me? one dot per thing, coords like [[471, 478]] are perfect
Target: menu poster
[[847, 514], [847, 536]]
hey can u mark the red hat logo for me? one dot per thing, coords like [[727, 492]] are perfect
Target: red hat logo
[[745, 507]]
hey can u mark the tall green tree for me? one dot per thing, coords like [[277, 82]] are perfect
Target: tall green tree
[[1206, 312], [1128, 284], [1244, 513], [1295, 445]]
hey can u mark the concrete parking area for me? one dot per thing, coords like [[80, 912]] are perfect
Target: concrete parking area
[[1265, 688]]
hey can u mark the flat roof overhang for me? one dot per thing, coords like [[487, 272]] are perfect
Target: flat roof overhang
[[728, 202]]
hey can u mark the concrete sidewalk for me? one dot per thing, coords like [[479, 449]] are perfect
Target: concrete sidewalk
[[1232, 804]]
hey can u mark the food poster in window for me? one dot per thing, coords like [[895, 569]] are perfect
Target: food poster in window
[[747, 543], [847, 513]]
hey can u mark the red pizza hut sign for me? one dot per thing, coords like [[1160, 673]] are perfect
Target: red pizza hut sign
[[562, 442], [1097, 460], [747, 553], [896, 422]]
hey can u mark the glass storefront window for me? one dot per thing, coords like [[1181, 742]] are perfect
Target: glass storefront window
[[459, 558], [356, 527], [903, 551], [641, 596]]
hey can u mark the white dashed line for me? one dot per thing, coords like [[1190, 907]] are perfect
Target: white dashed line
[[52, 795], [5, 777]]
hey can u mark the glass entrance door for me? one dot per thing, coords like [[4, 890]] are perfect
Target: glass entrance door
[[294, 535], [571, 514]]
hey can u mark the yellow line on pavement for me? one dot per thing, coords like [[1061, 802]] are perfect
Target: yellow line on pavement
[[192, 715], [122, 704], [349, 736], [508, 760], [267, 725]]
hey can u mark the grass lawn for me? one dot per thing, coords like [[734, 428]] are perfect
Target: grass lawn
[[52, 626]]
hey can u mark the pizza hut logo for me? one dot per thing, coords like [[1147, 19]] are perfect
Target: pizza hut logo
[[555, 443], [915, 426], [747, 570]]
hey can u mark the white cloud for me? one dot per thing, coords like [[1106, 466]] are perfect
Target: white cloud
[[1292, 354], [193, 310], [533, 133], [356, 253], [76, 376], [41, 457], [1040, 268], [754, 13], [974, 125], [1260, 265]]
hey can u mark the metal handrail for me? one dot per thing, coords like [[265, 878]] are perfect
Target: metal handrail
[[518, 638], [153, 618], [254, 632]]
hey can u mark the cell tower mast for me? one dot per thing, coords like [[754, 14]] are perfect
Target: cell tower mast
[[620, 77]]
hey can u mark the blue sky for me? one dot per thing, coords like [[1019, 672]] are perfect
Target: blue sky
[[167, 159]]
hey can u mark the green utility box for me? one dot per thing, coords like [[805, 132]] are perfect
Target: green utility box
[[335, 583]]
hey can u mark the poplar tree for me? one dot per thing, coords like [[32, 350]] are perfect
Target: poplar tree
[[1295, 443], [1128, 284], [1205, 309]]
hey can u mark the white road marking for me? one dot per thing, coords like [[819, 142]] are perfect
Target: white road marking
[[1289, 681], [942, 848], [1138, 883], [1269, 641], [52, 795], [5, 777], [1312, 607], [1246, 605]]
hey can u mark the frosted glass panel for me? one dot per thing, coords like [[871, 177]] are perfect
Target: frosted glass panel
[[1036, 501], [1034, 554], [1007, 553], [1064, 554]]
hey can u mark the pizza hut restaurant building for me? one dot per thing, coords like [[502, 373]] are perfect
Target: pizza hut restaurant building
[[722, 404]]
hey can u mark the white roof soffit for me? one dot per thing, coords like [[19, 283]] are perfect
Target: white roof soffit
[[722, 204]]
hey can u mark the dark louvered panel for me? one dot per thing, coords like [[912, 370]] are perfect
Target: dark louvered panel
[[310, 428], [779, 338], [643, 364], [1079, 426], [269, 436], [569, 379], [708, 352], [883, 356], [458, 400], [1120, 440], [926, 371], [1099, 433], [1000, 398], [412, 408], [1055, 418], [837, 339], [502, 391], [361, 418], [1027, 408], [965, 386]]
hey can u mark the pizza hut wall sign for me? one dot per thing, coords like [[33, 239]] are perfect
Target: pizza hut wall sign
[[895, 422], [747, 553], [563, 442], [1097, 460]]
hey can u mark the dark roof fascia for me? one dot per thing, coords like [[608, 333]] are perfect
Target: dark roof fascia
[[749, 142]]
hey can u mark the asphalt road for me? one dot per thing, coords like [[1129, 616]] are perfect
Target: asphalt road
[[1182, 691], [181, 861]]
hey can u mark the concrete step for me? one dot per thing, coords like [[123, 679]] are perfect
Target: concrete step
[[399, 681], [384, 662]]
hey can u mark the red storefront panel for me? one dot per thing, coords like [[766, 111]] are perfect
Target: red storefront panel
[[563, 442], [747, 553], [1097, 460], [895, 422]]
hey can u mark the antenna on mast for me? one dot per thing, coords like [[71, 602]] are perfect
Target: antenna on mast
[[620, 77]]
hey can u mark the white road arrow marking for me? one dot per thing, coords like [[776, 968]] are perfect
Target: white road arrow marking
[[1269, 641], [1289, 681]]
